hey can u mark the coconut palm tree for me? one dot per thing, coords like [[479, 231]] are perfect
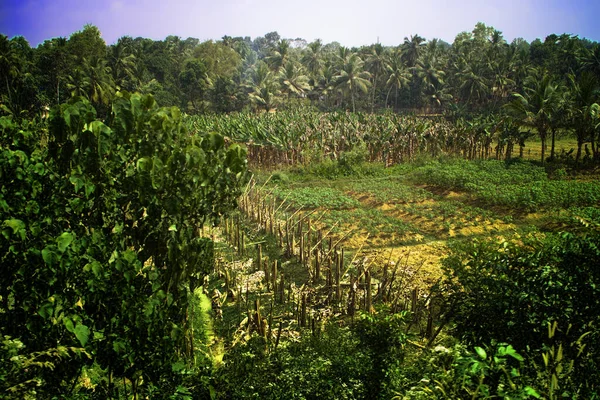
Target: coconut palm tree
[[122, 63], [474, 88], [352, 78], [279, 55], [412, 49], [312, 58], [376, 65], [263, 86], [398, 76], [101, 85], [583, 107], [430, 72], [534, 109], [293, 80]]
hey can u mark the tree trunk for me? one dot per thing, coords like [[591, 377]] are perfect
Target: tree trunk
[[553, 144], [374, 89], [579, 146], [542, 133]]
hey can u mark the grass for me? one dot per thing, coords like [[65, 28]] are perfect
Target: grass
[[533, 147], [315, 197]]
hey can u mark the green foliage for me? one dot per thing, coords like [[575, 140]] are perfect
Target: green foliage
[[511, 292], [316, 197], [339, 363], [456, 373], [20, 371], [382, 338], [519, 185], [388, 190], [465, 175], [100, 236]]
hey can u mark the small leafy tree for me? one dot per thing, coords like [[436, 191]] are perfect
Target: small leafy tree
[[101, 237]]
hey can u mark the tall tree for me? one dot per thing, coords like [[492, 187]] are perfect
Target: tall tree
[[353, 78], [279, 55], [122, 63], [263, 86], [583, 107], [412, 49], [312, 59], [293, 80], [398, 76], [376, 65], [534, 109]]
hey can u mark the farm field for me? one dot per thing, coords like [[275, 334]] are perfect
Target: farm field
[[310, 247], [273, 218]]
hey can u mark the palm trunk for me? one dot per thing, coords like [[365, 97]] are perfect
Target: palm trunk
[[387, 97], [8, 90], [543, 138], [374, 90], [553, 143], [579, 146]]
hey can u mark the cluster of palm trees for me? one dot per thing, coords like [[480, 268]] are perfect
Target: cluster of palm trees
[[334, 75]]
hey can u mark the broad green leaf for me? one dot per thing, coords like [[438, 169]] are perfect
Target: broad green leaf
[[77, 181], [49, 255], [64, 240], [510, 351], [82, 333], [89, 189], [69, 325], [178, 366], [17, 226], [144, 164], [481, 353], [532, 392], [119, 346], [46, 310]]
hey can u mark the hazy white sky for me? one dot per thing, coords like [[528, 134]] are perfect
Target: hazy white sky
[[350, 22]]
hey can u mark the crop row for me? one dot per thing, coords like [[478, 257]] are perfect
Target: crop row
[[299, 136]]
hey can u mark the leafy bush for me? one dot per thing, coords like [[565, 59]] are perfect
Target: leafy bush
[[100, 236], [332, 366], [458, 373], [511, 292]]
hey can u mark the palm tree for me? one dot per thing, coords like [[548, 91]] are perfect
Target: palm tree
[[398, 75], [474, 87], [583, 107], [376, 64], [9, 62], [78, 82], [122, 62], [353, 77], [312, 58], [411, 49], [293, 80], [279, 55], [263, 86], [430, 72], [101, 85], [534, 109], [590, 59]]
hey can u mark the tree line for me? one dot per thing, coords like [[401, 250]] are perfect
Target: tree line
[[545, 86]]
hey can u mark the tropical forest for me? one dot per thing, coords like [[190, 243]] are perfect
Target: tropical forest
[[272, 218]]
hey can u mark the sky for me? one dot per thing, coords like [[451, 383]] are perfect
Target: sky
[[349, 22]]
